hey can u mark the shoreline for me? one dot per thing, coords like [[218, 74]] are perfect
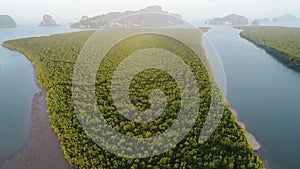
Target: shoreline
[[281, 57], [43, 149], [250, 137]]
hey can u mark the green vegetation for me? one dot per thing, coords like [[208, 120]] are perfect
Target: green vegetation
[[282, 43], [55, 57]]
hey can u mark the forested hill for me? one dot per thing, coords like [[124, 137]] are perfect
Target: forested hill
[[55, 56], [231, 19], [140, 18], [280, 42]]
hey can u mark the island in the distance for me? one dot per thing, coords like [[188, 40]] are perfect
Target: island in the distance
[[48, 21], [148, 17], [231, 19], [7, 22], [258, 21], [286, 18]]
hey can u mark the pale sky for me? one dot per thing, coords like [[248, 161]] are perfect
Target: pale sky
[[194, 11]]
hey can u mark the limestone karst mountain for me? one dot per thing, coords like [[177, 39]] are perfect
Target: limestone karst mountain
[[147, 17], [7, 21]]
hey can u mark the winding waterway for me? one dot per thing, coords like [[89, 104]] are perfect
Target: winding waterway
[[266, 95]]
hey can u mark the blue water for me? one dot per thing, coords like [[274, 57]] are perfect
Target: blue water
[[266, 95], [17, 88]]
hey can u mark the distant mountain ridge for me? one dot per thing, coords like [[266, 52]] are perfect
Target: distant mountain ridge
[[155, 17], [7, 21], [231, 19], [286, 18], [263, 20]]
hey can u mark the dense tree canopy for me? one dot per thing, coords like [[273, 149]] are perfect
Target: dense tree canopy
[[55, 56], [280, 42]]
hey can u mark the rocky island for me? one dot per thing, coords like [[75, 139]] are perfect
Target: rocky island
[[7, 22], [48, 21], [231, 19], [258, 21], [286, 18], [150, 16]]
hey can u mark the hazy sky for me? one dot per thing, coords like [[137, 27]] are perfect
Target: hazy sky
[[195, 11]]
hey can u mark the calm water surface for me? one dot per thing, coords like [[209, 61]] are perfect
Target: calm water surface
[[265, 94], [17, 88]]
